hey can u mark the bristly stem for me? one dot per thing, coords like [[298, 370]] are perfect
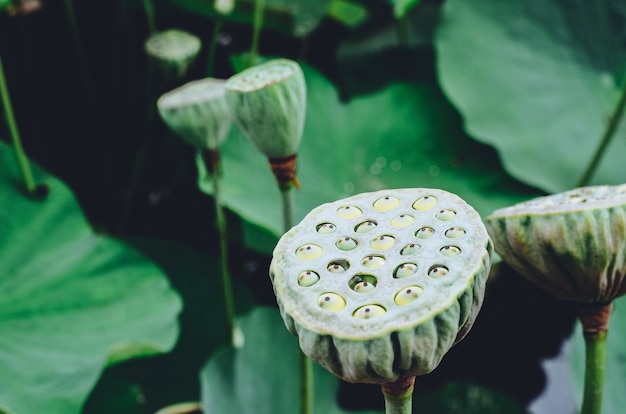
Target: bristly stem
[[211, 162], [399, 396], [306, 366], [259, 9], [22, 160], [595, 323], [609, 132]]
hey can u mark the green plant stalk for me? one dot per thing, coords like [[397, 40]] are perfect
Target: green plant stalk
[[287, 193], [595, 367], [259, 8], [399, 396], [148, 7], [22, 160], [609, 132], [213, 47], [211, 161]]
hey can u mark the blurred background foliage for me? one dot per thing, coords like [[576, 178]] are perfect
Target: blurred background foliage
[[497, 102]]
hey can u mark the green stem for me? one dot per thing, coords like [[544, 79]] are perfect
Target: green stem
[[609, 132], [288, 199], [402, 31], [595, 365], [22, 160], [259, 8], [399, 396], [213, 47], [148, 7]]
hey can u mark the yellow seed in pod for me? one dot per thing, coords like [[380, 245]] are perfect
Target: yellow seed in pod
[[369, 311], [331, 302], [425, 203], [407, 295], [308, 252], [386, 203]]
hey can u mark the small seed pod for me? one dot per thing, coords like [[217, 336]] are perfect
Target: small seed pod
[[269, 105], [197, 111], [384, 317], [571, 244], [173, 50]]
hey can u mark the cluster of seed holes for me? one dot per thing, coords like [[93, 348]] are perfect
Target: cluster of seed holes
[[407, 295], [437, 271], [450, 251], [369, 311], [365, 227], [349, 212], [346, 244], [425, 203], [386, 203], [326, 228], [383, 242], [308, 278], [309, 252], [363, 283], [373, 262], [404, 270]]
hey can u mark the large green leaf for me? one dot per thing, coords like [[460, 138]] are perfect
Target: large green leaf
[[406, 135], [71, 300], [262, 377], [538, 80], [614, 399]]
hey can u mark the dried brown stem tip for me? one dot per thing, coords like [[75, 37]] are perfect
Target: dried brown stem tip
[[401, 386], [594, 318], [284, 170], [211, 160]]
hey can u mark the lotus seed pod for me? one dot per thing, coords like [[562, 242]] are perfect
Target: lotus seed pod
[[571, 244], [393, 305], [269, 105], [197, 111], [173, 50]]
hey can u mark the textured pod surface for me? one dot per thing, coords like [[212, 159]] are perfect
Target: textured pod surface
[[269, 105], [571, 244], [417, 301], [173, 50], [198, 112]]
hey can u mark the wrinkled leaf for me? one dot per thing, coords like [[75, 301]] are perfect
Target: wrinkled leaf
[[406, 135], [538, 80], [614, 399], [71, 299]]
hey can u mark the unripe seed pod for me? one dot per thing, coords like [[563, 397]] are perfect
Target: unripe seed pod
[[571, 244], [197, 111], [173, 50], [375, 315], [269, 105]]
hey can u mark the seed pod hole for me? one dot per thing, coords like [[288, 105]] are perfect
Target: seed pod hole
[[331, 302], [308, 278], [404, 270], [338, 266], [346, 244], [437, 271], [383, 242], [369, 311], [363, 283], [386, 203], [349, 212], [407, 295], [425, 233], [450, 251], [409, 249], [308, 252], [373, 262], [402, 221], [445, 215], [455, 232], [364, 227], [326, 228], [425, 203]]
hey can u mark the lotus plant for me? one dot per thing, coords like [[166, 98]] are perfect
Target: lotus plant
[[173, 50], [573, 246], [379, 286], [197, 111]]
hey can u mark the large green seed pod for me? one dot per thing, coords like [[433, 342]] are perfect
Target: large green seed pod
[[269, 105], [572, 244], [173, 50], [198, 112], [379, 286]]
